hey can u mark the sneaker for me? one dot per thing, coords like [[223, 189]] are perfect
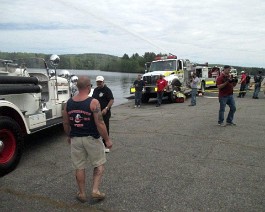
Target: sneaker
[[230, 124], [139, 105], [135, 106], [107, 150], [222, 125]]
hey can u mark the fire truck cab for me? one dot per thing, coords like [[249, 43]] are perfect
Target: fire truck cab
[[177, 72]]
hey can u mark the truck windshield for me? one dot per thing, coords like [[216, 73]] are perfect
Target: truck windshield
[[166, 65]]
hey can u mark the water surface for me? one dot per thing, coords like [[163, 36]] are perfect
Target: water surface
[[118, 82]]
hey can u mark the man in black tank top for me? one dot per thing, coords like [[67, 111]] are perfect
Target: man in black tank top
[[83, 123]]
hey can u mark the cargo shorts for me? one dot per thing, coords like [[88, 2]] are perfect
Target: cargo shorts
[[86, 150]]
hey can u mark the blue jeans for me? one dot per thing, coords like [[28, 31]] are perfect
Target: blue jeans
[[227, 100], [247, 87], [257, 90], [193, 96], [159, 97], [138, 97]]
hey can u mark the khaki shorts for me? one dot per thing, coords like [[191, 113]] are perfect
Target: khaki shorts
[[87, 149]]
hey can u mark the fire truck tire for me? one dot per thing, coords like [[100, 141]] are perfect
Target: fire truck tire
[[11, 145], [145, 98], [176, 82]]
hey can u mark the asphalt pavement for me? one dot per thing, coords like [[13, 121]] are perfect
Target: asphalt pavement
[[168, 158]]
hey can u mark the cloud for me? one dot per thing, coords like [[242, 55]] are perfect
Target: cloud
[[217, 31]]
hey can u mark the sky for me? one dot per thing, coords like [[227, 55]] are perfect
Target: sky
[[215, 31]]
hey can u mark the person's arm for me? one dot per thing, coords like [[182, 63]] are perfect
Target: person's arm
[[221, 85], [105, 110], [66, 124], [243, 79], [166, 85], [95, 108], [110, 98], [110, 103]]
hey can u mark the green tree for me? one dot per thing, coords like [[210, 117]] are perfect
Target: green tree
[[149, 56], [125, 57]]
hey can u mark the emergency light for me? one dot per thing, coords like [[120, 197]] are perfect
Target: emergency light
[[166, 57]]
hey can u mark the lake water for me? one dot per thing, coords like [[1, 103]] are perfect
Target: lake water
[[119, 83]]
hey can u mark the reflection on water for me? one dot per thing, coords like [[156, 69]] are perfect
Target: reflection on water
[[118, 82]]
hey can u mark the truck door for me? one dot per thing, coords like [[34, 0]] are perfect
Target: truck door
[[180, 65], [185, 70], [198, 72], [147, 66]]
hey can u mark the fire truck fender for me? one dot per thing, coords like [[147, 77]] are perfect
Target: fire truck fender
[[11, 110]]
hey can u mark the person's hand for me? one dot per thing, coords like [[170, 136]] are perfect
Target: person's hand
[[104, 111], [226, 79], [108, 143]]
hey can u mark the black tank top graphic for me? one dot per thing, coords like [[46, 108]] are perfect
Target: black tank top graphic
[[81, 119]]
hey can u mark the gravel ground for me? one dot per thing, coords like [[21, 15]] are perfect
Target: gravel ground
[[170, 158]]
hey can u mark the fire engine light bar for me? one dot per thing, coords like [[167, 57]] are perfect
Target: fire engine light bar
[[166, 57]]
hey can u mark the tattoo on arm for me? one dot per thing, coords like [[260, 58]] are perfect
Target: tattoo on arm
[[100, 117], [98, 111]]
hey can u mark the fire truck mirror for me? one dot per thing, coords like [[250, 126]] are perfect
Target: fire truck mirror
[[54, 60]]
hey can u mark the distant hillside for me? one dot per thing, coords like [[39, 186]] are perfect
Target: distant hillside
[[86, 61], [68, 61]]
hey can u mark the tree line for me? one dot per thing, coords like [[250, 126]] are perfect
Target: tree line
[[104, 62]]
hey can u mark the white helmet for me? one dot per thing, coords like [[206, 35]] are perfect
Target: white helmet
[[52, 73], [65, 73], [74, 78]]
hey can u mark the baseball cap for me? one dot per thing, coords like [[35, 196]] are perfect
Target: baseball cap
[[227, 66], [99, 78], [242, 72]]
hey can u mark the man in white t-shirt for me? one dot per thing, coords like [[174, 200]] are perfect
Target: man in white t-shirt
[[194, 89]]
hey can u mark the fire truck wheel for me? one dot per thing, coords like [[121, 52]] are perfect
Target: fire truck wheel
[[11, 144]]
